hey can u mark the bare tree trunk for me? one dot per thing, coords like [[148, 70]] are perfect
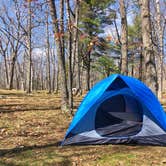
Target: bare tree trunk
[[124, 40], [60, 53], [87, 86], [149, 67], [12, 70], [6, 71], [42, 79], [132, 65], [48, 55], [57, 80], [54, 70], [17, 78], [141, 66], [29, 69], [21, 74], [78, 73], [160, 57], [70, 76], [24, 71], [76, 48], [34, 87], [3, 51]]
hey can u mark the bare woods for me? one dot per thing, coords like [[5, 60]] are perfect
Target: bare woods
[[66, 46]]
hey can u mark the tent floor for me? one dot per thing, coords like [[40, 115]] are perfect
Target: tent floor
[[126, 128]]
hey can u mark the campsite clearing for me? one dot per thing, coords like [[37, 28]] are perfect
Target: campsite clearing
[[31, 127]]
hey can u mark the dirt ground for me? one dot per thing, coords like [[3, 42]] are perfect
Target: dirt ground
[[31, 127]]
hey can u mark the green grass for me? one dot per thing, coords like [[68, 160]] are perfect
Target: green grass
[[32, 126], [117, 159]]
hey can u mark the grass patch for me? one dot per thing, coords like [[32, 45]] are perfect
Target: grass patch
[[116, 159], [31, 127], [36, 158]]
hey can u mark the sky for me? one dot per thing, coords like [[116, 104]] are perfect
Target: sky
[[39, 32]]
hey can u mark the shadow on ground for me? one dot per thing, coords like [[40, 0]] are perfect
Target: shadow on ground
[[20, 149]]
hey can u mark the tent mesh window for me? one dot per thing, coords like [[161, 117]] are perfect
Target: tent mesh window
[[118, 83], [119, 115]]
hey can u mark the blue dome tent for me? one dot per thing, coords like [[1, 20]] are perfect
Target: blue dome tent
[[118, 110]]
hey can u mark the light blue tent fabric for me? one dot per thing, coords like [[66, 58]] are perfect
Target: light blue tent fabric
[[84, 119]]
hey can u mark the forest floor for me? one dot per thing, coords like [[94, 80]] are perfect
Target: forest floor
[[31, 127]]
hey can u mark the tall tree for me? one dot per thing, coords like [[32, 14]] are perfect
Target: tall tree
[[75, 47], [105, 65], [29, 43], [70, 75], [11, 27], [94, 16], [149, 67], [160, 57], [134, 46], [48, 54], [124, 39], [3, 50], [61, 58]]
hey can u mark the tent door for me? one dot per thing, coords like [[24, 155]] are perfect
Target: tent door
[[119, 115]]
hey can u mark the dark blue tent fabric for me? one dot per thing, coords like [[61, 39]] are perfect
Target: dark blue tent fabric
[[135, 94]]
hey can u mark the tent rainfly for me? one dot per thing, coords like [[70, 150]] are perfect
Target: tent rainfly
[[118, 110]]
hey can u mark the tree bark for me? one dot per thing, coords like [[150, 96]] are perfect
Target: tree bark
[[17, 78], [87, 85], [48, 56], [76, 48], [21, 75], [57, 80], [29, 62], [12, 70], [124, 40], [160, 57], [149, 67], [70, 75], [60, 53], [141, 66], [54, 70], [6, 71]]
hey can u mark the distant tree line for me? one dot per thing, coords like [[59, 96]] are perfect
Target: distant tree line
[[63, 45]]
